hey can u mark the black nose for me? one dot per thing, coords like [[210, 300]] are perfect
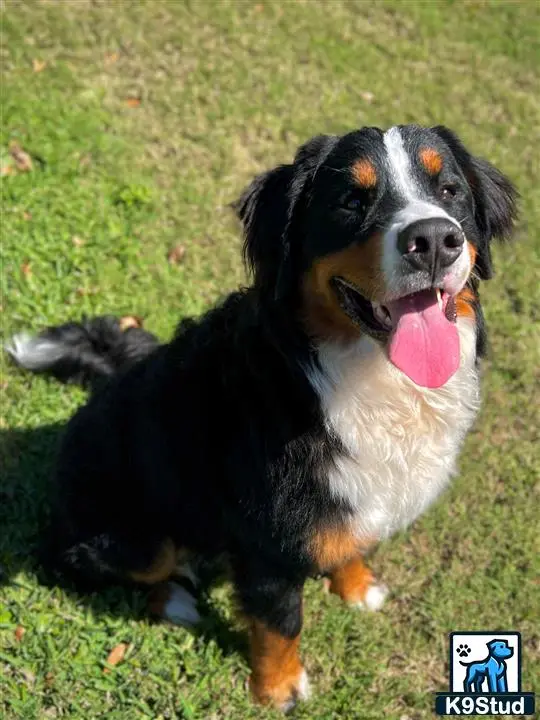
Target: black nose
[[430, 244]]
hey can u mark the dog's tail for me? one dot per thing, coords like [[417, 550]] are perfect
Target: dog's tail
[[84, 353]]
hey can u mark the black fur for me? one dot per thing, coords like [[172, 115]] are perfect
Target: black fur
[[189, 443], [268, 210]]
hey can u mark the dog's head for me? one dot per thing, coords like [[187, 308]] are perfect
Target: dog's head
[[379, 233], [500, 650]]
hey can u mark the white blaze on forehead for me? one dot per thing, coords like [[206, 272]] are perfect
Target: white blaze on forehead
[[400, 164]]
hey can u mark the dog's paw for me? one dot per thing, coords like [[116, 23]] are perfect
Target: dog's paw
[[370, 595], [284, 694], [463, 650], [174, 603], [374, 598]]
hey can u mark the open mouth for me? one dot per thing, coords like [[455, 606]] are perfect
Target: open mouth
[[375, 317], [421, 330]]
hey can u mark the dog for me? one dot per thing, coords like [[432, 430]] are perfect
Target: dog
[[306, 417], [493, 668]]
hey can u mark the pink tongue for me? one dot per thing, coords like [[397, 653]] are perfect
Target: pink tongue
[[424, 344]]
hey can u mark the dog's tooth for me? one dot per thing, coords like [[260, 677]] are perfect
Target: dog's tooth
[[381, 313], [439, 299]]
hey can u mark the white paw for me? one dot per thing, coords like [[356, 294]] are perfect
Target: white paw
[[180, 607], [374, 598], [304, 688], [185, 570], [302, 692]]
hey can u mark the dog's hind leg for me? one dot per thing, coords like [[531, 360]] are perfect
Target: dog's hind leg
[[104, 558], [502, 685], [108, 559]]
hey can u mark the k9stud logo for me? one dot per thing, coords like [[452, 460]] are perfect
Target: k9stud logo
[[485, 676]]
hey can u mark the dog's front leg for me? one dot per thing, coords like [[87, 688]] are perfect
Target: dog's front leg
[[273, 608], [356, 585]]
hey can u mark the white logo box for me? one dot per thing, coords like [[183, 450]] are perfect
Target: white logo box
[[477, 642]]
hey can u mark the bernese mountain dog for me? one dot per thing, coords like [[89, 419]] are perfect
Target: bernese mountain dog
[[307, 416]]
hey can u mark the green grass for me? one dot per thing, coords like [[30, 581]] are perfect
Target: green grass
[[223, 90]]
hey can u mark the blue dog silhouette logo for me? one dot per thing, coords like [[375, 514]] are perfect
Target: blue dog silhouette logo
[[492, 668]]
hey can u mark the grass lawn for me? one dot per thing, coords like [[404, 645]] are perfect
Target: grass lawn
[[143, 120]]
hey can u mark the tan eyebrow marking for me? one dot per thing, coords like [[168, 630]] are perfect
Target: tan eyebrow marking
[[364, 173], [431, 160]]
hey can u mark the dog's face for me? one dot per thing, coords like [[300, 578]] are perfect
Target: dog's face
[[499, 649], [379, 233]]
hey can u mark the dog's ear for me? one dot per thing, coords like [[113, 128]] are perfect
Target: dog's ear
[[263, 210], [494, 198], [268, 209]]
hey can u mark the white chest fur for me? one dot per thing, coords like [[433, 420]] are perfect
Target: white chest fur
[[401, 441]]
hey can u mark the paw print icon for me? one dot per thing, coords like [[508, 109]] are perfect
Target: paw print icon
[[463, 650]]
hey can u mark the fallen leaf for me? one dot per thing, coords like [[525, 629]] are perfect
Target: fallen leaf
[[367, 96], [26, 215], [77, 241], [39, 65], [7, 170], [115, 656], [23, 161], [26, 269], [130, 321], [19, 632], [176, 255], [133, 102], [111, 58]]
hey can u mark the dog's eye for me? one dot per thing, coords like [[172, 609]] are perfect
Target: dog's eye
[[448, 192], [355, 202]]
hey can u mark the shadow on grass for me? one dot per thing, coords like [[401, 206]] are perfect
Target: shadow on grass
[[27, 460]]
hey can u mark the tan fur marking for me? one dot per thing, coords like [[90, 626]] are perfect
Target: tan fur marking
[[464, 301], [333, 547], [351, 581], [130, 321], [359, 264], [275, 665], [364, 173], [161, 566], [466, 298], [431, 160], [472, 253]]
